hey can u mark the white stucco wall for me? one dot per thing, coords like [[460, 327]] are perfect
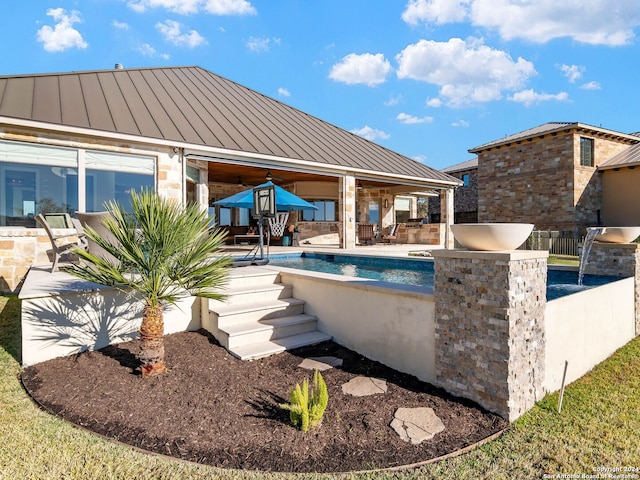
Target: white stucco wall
[[390, 323], [66, 315], [585, 328]]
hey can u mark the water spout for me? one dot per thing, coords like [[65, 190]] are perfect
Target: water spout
[[592, 233]]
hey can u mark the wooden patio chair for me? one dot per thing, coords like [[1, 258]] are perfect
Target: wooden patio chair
[[365, 234], [61, 244]]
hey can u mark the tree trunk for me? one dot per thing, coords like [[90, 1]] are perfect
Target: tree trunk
[[152, 337]]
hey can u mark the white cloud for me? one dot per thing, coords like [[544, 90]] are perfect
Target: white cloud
[[62, 36], [172, 32], [258, 45], [467, 72], [591, 86], [229, 7], [572, 72], [460, 123], [367, 68], [412, 120], [435, 11], [434, 102], [393, 100], [283, 92], [420, 158], [597, 22], [147, 50], [370, 133], [187, 7], [529, 97], [120, 25]]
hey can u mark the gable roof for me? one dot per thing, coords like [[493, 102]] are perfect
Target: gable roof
[[629, 157], [193, 107], [553, 127], [459, 167]]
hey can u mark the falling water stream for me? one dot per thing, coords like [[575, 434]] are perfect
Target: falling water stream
[[586, 248]]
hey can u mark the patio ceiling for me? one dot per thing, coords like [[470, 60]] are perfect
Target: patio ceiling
[[247, 175]]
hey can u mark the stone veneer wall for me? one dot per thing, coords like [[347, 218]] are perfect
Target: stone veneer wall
[[489, 327], [541, 181], [618, 260]]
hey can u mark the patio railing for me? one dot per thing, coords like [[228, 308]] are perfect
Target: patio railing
[[556, 242]]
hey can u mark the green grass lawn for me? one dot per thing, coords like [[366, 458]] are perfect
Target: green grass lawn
[[599, 427]]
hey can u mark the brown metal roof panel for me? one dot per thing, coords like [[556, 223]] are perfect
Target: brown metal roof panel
[[120, 112], [261, 116], [221, 113], [72, 101], [626, 158], [181, 90], [184, 127], [215, 121], [17, 100], [206, 98], [132, 94], [96, 104], [156, 108], [46, 100]]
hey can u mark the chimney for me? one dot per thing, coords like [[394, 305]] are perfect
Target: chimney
[[119, 66]]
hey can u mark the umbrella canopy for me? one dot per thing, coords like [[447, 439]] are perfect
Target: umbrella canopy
[[284, 200]]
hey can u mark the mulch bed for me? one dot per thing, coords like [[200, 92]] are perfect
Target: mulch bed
[[214, 409]]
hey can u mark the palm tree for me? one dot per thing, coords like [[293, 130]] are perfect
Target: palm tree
[[163, 252]]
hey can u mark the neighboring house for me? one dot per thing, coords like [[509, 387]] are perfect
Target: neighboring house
[[559, 176], [465, 201], [70, 141]]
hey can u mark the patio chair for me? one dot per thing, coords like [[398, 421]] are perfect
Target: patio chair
[[365, 234], [392, 234], [94, 220], [61, 244]]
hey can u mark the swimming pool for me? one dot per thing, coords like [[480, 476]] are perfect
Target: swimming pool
[[420, 272]]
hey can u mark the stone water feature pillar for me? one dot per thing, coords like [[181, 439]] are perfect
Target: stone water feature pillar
[[489, 327], [617, 260]]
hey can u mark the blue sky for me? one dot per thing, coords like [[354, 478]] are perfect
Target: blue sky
[[429, 79]]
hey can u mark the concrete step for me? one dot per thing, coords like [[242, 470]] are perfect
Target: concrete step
[[242, 334], [252, 294], [226, 315], [271, 347], [251, 277]]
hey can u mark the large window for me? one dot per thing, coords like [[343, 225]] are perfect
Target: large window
[[402, 207], [586, 152], [44, 179], [326, 211]]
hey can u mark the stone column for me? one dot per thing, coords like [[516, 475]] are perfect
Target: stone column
[[489, 327], [347, 210], [618, 260], [447, 214]]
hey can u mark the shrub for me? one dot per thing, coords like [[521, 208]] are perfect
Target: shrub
[[305, 411]]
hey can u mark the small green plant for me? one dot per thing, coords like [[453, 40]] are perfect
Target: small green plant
[[305, 411]]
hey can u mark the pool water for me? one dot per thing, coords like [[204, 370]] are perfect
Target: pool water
[[417, 272]]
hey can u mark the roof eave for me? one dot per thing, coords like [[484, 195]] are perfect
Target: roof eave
[[551, 131], [207, 152]]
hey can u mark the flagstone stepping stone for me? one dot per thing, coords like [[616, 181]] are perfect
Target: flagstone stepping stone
[[416, 425], [320, 363], [363, 386]]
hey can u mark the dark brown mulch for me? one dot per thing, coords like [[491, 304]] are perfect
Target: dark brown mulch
[[214, 409]]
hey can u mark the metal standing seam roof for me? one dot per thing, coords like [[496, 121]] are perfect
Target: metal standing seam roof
[[547, 128], [629, 157], [194, 107], [459, 167]]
